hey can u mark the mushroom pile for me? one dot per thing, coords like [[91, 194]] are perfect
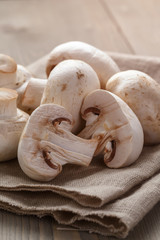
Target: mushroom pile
[[85, 107]]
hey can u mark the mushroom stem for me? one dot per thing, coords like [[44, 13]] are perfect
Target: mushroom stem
[[32, 94], [12, 122], [62, 155]]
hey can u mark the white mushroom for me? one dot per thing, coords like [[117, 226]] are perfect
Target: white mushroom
[[12, 122], [100, 61], [69, 82], [17, 77], [12, 75], [47, 143], [115, 126], [142, 94]]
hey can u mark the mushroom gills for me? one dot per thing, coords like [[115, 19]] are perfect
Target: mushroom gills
[[47, 144], [115, 127]]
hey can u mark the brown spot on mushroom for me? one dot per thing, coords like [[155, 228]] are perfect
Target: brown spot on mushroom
[[47, 159], [80, 92], [126, 94], [64, 86], [149, 118], [79, 74]]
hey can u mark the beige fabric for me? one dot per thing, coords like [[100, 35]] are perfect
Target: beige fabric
[[98, 199]]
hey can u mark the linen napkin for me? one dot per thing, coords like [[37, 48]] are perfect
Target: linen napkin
[[95, 198]]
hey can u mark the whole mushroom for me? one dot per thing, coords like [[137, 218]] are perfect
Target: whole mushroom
[[116, 128], [100, 61], [142, 94], [47, 144], [12, 122], [68, 83]]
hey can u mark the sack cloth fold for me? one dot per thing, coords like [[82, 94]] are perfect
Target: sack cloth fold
[[94, 198]]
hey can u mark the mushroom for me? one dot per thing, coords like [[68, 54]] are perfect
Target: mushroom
[[69, 82], [12, 122], [47, 144], [32, 94], [12, 75], [116, 128], [17, 77], [102, 63], [142, 94]]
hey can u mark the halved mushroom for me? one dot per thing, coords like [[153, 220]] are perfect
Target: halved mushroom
[[114, 125], [69, 82], [47, 143], [12, 122], [142, 94], [100, 61]]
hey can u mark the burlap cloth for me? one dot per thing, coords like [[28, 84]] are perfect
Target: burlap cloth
[[97, 199]]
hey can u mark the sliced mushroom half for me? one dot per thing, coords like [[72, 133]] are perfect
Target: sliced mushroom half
[[115, 126], [12, 122], [100, 61], [47, 144]]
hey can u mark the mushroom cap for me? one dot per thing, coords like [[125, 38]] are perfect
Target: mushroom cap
[[7, 64], [100, 61], [69, 82], [8, 69], [114, 125], [142, 94], [12, 76]]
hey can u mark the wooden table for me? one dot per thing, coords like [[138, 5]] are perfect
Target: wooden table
[[30, 29]]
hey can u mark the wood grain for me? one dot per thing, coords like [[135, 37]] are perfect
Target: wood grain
[[30, 29], [14, 227], [139, 21]]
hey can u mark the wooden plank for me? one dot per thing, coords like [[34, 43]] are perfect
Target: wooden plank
[[17, 227], [30, 30], [140, 23]]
